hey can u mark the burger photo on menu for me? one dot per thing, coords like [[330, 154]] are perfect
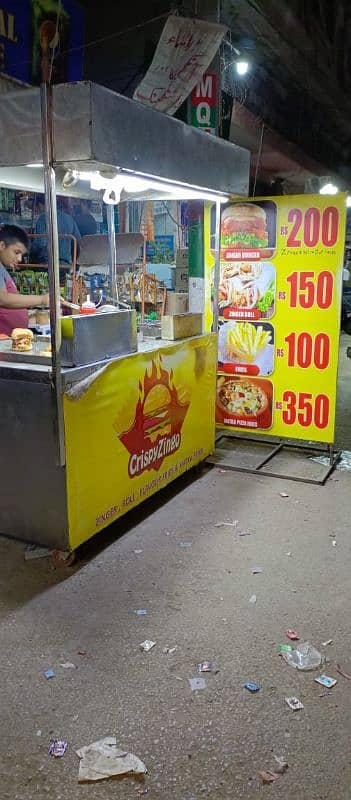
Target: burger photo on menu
[[248, 229], [247, 290], [244, 402]]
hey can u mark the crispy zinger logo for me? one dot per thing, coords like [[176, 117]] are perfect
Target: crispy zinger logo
[[159, 417]]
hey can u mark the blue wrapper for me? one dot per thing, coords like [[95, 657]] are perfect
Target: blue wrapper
[[252, 687]]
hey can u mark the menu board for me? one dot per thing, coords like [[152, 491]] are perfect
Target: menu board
[[279, 315]]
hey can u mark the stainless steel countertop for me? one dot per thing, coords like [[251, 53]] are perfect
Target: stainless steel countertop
[[41, 373]]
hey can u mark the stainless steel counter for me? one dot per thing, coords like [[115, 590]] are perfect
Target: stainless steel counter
[[41, 373]]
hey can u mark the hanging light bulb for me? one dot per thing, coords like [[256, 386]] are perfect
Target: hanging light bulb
[[112, 196], [242, 67], [329, 188], [70, 178]]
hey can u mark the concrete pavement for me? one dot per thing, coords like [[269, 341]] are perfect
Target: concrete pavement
[[214, 742]]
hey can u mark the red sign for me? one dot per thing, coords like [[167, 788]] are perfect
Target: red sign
[[206, 90]]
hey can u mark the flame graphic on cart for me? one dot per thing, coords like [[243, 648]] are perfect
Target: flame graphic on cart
[[159, 417]]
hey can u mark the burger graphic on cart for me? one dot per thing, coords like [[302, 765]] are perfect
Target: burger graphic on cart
[[158, 420]]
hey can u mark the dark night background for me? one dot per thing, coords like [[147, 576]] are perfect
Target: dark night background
[[299, 82]]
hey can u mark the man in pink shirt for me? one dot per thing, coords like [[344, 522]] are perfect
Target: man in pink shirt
[[13, 305]]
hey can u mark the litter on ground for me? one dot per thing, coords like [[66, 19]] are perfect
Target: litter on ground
[[58, 748], [282, 764], [294, 703], [147, 645], [227, 524], [197, 683], [205, 666], [326, 681], [304, 657], [285, 648], [291, 634], [104, 759], [268, 777]]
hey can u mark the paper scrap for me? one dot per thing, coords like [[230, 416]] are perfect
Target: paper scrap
[[104, 759], [197, 683], [147, 645], [233, 524], [268, 777]]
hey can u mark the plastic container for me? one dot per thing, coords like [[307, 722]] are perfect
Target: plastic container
[[304, 657], [88, 307]]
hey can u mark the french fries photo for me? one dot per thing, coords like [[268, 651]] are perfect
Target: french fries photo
[[245, 341]]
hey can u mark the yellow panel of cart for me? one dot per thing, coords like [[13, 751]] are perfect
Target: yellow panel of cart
[[135, 427]]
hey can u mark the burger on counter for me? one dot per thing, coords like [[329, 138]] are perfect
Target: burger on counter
[[244, 225], [22, 340]]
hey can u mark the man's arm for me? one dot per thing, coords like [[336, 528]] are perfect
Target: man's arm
[[16, 300]]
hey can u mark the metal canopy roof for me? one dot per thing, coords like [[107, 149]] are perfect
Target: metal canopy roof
[[95, 127]]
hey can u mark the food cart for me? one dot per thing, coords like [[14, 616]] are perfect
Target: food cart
[[92, 430]]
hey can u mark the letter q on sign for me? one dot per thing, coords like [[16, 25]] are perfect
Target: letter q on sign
[[203, 113]]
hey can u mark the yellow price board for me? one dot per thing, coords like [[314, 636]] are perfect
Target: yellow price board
[[134, 427], [279, 315]]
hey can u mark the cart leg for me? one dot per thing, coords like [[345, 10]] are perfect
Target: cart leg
[[64, 558], [331, 454]]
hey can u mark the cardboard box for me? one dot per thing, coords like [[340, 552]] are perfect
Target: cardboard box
[[177, 303], [180, 326]]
